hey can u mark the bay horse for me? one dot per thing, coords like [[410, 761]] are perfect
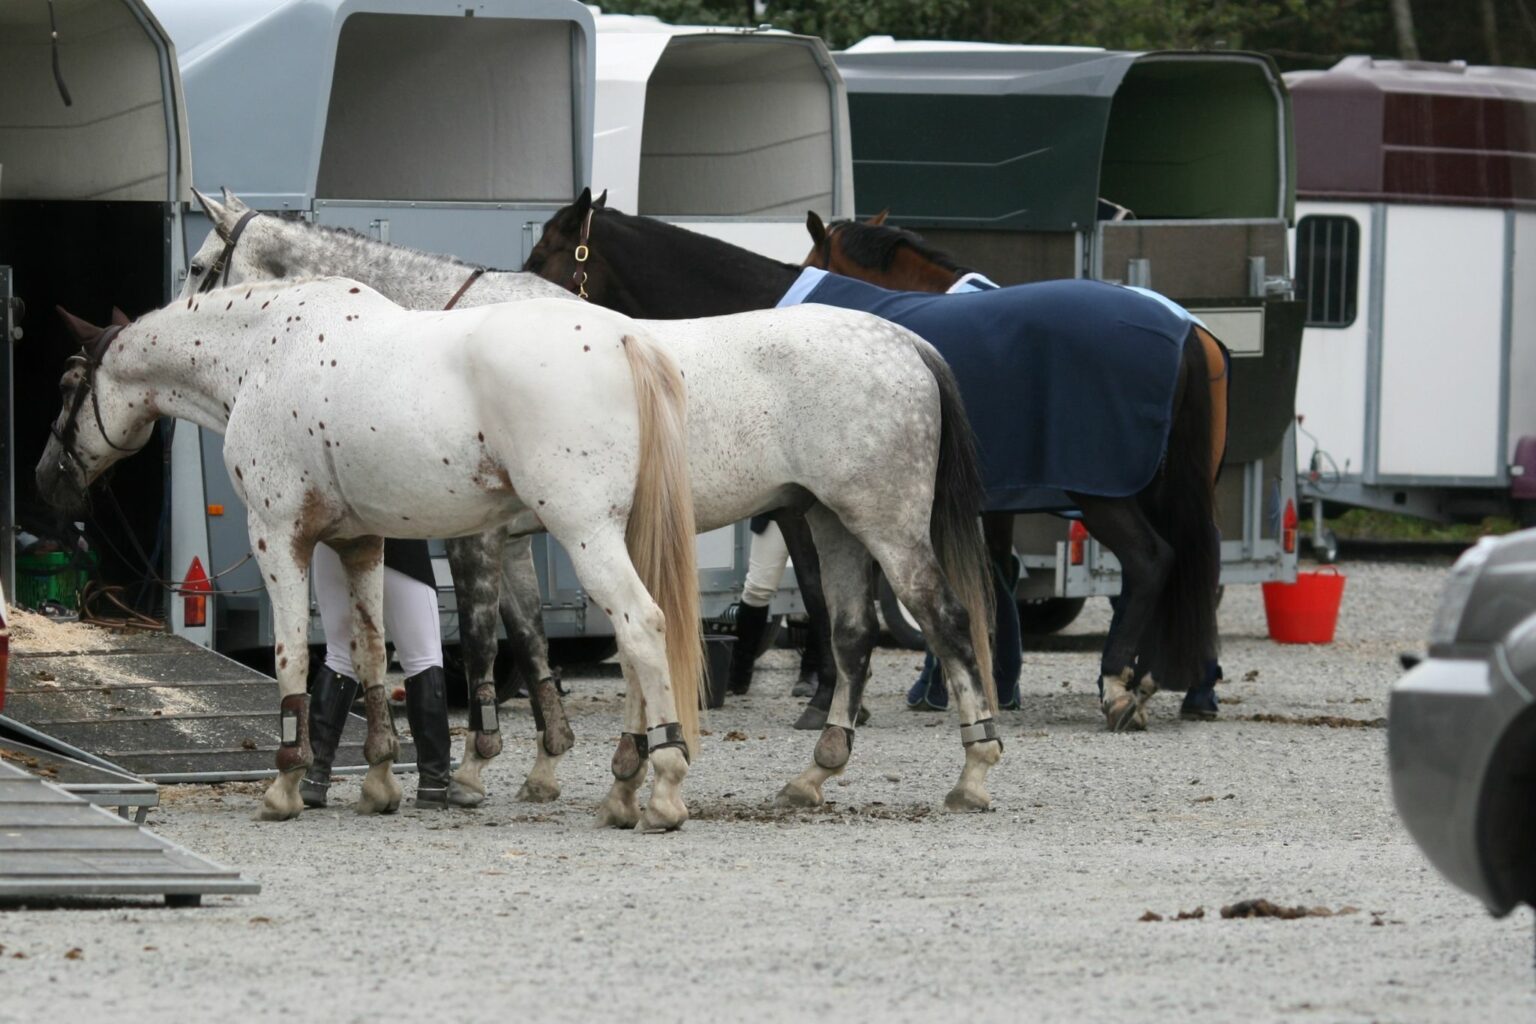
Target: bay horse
[[866, 443], [347, 419], [1162, 529], [900, 259]]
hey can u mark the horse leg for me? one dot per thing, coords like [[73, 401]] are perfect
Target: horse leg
[[522, 613], [1145, 561], [846, 581], [621, 809], [802, 551], [476, 575], [603, 564], [363, 559], [287, 581]]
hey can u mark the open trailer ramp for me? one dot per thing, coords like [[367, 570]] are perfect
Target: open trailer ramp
[[53, 843], [153, 704], [104, 787]]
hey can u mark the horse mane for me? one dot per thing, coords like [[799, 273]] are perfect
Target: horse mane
[[875, 245], [367, 242]]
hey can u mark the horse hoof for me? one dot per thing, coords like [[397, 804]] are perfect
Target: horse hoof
[[798, 794], [282, 801], [613, 814], [961, 799], [536, 791], [276, 810], [460, 795], [663, 819], [1125, 714], [381, 795]]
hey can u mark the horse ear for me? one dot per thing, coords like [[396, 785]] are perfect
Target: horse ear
[[879, 218], [234, 202], [212, 208], [119, 318], [84, 332], [817, 229], [601, 202]]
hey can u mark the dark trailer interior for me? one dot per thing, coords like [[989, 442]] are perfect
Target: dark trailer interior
[[86, 222]]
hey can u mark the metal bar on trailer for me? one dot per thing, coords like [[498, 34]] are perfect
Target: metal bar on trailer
[[7, 443], [1373, 346]]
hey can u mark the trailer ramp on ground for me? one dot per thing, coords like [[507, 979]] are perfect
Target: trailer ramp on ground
[[152, 704], [53, 843], [104, 787]]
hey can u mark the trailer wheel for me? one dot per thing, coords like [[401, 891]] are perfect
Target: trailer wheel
[[899, 623], [1042, 615]]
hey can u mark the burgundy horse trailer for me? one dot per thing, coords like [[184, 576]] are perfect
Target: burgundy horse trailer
[[1415, 249]]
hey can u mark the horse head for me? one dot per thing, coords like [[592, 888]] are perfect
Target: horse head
[[879, 253], [95, 426], [565, 254], [825, 254], [232, 252]]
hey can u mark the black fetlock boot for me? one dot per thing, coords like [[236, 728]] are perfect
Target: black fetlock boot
[[426, 709], [330, 701], [751, 621]]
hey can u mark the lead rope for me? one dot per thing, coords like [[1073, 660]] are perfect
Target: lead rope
[[471, 279]]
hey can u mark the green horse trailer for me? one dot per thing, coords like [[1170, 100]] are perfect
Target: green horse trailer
[[1171, 171]]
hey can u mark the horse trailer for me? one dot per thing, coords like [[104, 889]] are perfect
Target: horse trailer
[[1416, 223], [1166, 170]]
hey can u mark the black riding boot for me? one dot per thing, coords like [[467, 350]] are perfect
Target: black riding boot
[[426, 709], [330, 701], [751, 621]]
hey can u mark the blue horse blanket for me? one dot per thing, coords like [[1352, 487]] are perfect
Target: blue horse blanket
[[1069, 385]]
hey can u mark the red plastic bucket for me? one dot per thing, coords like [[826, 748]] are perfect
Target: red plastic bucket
[[1304, 612]]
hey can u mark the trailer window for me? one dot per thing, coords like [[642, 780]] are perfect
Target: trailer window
[[1328, 269]]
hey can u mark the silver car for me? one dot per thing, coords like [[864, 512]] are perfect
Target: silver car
[[1461, 736]]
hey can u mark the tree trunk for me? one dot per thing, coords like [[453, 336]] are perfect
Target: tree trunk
[[1402, 20], [1491, 32]]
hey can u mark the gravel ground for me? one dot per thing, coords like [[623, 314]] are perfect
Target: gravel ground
[[879, 906]]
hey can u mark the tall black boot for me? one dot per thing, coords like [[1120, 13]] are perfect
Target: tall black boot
[[330, 701], [426, 709], [751, 621]]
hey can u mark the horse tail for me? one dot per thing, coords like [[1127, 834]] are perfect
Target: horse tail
[[660, 533], [953, 525], [1181, 506]]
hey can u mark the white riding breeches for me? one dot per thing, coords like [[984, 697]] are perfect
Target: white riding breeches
[[766, 559], [410, 616]]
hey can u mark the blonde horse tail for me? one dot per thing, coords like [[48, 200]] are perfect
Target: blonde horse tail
[[954, 526], [660, 534]]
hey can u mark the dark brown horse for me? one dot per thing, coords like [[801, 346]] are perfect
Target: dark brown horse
[[1163, 535]]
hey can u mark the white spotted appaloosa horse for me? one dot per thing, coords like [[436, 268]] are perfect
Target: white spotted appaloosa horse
[[347, 419], [839, 414]]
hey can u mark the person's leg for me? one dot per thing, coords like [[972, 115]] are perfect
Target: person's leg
[[411, 621], [1007, 635], [929, 692], [766, 558], [334, 687]]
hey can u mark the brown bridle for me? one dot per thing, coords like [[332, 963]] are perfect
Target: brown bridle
[[581, 255], [220, 268], [88, 359]]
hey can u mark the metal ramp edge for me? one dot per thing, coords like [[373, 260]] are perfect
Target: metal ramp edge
[[157, 706], [104, 787], [55, 844]]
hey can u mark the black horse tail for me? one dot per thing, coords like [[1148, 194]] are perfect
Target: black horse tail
[[1181, 506], [954, 526]]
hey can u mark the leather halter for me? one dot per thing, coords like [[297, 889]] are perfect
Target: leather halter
[[219, 273], [581, 255], [89, 358]]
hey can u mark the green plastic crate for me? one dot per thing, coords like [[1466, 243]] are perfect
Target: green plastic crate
[[52, 576]]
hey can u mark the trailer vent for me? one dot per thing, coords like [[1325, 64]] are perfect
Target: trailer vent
[[1328, 269]]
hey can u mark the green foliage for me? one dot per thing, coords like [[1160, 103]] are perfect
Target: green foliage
[[1297, 33], [1368, 524]]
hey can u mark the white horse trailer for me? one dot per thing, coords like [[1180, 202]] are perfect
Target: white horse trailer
[[731, 133], [1415, 249]]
